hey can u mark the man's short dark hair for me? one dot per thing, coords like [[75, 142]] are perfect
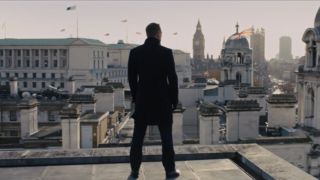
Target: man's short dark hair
[[152, 29]]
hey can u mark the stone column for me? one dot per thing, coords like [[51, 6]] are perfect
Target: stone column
[[209, 125], [70, 86], [70, 122], [14, 86], [28, 116], [177, 127]]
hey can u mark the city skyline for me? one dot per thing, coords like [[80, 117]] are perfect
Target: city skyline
[[96, 19]]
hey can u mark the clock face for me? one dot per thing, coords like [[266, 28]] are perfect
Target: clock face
[[197, 43]]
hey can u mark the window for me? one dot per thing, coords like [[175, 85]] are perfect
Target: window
[[9, 52], [53, 84], [25, 84], [46, 63], [55, 52], [102, 53], [13, 133], [37, 63], [62, 85], [43, 75], [43, 84], [28, 63], [27, 52], [13, 116], [107, 54], [7, 75], [16, 75], [18, 52], [51, 116], [94, 64], [34, 75], [19, 63], [64, 52], [1, 63], [1, 52], [94, 53], [64, 63], [45, 52], [55, 63], [34, 84], [53, 75], [25, 75], [36, 52]]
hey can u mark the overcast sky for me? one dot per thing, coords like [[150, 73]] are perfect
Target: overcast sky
[[36, 19]]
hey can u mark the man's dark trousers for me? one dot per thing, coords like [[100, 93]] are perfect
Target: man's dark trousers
[[167, 146]]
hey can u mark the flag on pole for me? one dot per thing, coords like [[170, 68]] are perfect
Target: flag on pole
[[175, 33], [70, 8], [63, 30], [244, 33], [124, 20]]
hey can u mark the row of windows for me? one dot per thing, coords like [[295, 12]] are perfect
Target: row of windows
[[13, 116], [119, 73], [99, 54], [35, 52], [35, 85], [36, 63], [31, 75]]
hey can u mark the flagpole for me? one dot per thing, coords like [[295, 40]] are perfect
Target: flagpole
[[5, 30], [77, 24]]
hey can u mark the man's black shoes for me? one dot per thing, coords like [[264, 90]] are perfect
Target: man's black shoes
[[173, 174], [134, 175]]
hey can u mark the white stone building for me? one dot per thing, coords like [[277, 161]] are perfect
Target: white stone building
[[38, 63], [308, 79]]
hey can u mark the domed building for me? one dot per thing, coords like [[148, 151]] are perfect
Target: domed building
[[236, 60], [308, 78]]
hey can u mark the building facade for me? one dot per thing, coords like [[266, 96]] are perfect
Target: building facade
[[236, 60], [308, 85], [38, 63], [285, 48]]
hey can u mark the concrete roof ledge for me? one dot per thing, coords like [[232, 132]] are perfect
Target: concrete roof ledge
[[254, 159]]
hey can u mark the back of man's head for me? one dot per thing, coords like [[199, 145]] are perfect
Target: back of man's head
[[153, 29]]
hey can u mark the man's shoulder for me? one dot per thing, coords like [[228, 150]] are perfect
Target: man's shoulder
[[168, 50], [136, 48]]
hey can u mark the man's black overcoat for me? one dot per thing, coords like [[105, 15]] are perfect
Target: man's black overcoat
[[153, 82]]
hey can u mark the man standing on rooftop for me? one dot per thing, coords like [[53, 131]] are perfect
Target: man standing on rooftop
[[154, 89]]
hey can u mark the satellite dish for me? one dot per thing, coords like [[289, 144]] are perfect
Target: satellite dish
[[26, 94], [34, 95]]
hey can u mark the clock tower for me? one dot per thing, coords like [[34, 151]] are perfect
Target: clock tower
[[198, 43]]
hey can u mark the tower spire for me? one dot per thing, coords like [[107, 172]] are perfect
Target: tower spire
[[198, 25], [237, 28]]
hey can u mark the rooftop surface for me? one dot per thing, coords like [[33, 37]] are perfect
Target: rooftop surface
[[233, 161], [222, 169]]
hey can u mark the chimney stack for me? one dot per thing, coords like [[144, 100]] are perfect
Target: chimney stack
[[14, 86]]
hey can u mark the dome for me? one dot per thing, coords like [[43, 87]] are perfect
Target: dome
[[317, 19], [241, 42]]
